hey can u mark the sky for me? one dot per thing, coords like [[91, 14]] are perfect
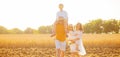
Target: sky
[[35, 13]]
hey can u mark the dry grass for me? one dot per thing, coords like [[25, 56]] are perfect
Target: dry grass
[[50, 52], [101, 40], [29, 45], [26, 40], [44, 40]]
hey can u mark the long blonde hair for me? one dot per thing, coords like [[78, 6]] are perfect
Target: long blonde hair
[[69, 27]]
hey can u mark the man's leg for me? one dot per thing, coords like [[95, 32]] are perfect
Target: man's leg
[[62, 53], [72, 54], [63, 48], [66, 25], [57, 52], [57, 44]]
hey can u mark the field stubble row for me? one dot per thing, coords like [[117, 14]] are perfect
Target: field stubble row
[[44, 40]]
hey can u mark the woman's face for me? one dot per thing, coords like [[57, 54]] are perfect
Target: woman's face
[[78, 26], [70, 27]]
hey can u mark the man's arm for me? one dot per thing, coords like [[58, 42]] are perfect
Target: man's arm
[[66, 21], [53, 30]]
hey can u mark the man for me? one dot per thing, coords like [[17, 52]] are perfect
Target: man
[[60, 40], [60, 30], [61, 15]]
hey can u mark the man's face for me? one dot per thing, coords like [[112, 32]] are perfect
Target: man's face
[[60, 6]]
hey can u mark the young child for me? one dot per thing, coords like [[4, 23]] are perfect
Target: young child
[[60, 19], [71, 34], [72, 41], [78, 32], [61, 15]]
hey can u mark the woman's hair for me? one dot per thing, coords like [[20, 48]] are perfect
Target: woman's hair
[[69, 27], [80, 26]]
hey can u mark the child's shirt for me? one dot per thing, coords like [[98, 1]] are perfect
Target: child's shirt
[[71, 35], [60, 32], [62, 14]]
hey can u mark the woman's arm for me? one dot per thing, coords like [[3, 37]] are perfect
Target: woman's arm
[[76, 35]]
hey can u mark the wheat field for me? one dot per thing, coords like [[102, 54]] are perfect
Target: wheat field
[[42, 45]]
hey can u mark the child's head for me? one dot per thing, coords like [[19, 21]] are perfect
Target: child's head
[[70, 27], [79, 26], [61, 6]]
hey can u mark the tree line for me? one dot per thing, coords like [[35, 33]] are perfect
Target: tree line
[[102, 26], [94, 26], [40, 30]]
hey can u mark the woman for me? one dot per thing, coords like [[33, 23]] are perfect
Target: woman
[[78, 40]]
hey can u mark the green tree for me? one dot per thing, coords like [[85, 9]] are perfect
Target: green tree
[[42, 29], [15, 31], [119, 25], [87, 28], [35, 31], [93, 26], [115, 26], [29, 31], [96, 25], [111, 26], [49, 29], [3, 30], [45, 29]]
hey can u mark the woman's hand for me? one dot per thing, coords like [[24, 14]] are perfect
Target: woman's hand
[[72, 41], [76, 39]]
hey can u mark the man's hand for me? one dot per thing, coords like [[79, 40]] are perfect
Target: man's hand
[[52, 35]]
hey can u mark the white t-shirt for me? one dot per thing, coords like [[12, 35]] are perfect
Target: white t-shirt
[[71, 35], [62, 14]]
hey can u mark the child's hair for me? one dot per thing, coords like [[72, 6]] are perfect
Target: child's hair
[[80, 26], [70, 26]]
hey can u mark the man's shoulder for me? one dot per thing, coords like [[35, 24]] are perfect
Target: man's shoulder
[[62, 11], [65, 12]]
